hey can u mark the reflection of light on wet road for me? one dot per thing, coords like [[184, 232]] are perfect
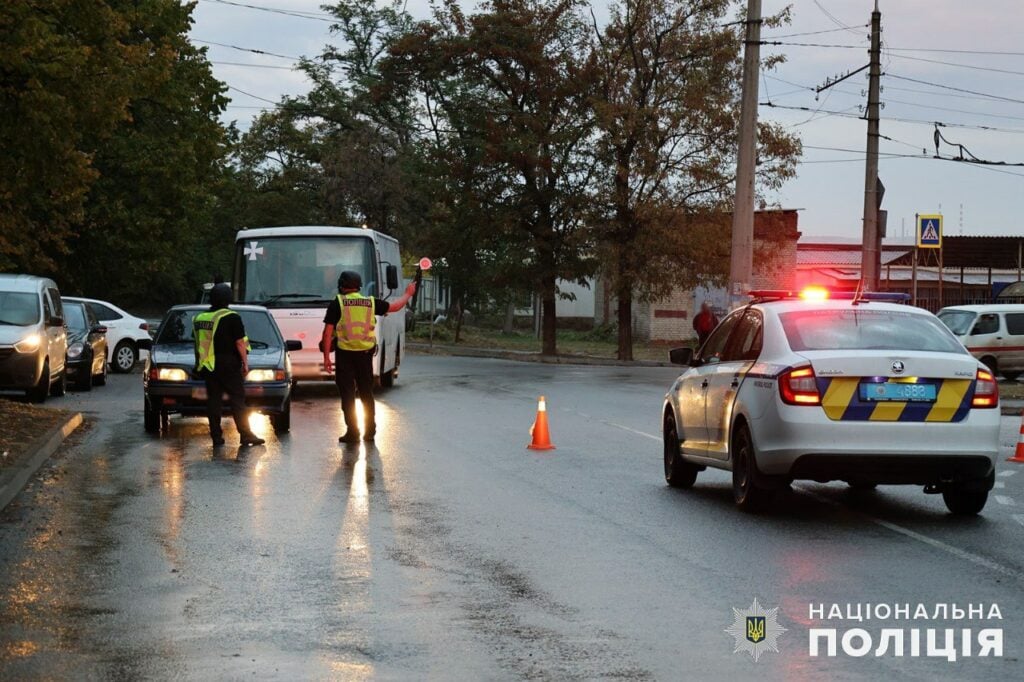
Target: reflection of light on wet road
[[259, 424], [353, 556], [174, 489], [20, 649]]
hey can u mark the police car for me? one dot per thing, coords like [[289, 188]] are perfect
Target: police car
[[854, 388]]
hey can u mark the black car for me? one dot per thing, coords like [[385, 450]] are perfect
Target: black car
[[172, 386], [87, 347]]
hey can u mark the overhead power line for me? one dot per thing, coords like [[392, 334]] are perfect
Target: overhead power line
[[249, 94], [255, 66], [944, 124], [959, 66], [950, 87], [813, 33], [245, 49], [299, 14]]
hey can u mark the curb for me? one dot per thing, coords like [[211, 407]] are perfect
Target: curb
[[527, 356], [14, 480]]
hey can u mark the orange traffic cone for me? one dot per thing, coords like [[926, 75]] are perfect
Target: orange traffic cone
[[539, 430], [1018, 456]]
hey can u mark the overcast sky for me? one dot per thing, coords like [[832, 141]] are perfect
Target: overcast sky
[[830, 184]]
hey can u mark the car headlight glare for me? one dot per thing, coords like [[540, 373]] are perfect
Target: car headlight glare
[[260, 375], [28, 344], [75, 350], [171, 374]]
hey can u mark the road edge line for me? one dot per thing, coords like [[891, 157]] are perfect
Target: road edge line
[[17, 479]]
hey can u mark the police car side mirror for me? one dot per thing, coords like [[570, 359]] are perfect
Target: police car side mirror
[[391, 276], [292, 344], [681, 356]]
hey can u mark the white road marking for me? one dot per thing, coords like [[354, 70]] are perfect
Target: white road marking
[[1007, 472], [999, 485], [626, 428], [1019, 518], [1008, 501], [906, 532]]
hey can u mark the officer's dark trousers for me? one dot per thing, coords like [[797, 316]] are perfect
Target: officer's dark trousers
[[353, 370], [226, 378]]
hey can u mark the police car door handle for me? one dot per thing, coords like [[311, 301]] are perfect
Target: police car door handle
[[735, 382], [704, 384]]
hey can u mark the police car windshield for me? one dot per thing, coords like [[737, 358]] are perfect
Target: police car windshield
[[865, 329], [259, 327]]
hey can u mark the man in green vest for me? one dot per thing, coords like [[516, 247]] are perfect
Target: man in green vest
[[222, 359], [350, 328]]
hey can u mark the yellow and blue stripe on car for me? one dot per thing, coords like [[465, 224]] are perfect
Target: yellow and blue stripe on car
[[841, 400]]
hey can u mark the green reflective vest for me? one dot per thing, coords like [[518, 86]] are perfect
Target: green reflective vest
[[356, 330], [204, 327]]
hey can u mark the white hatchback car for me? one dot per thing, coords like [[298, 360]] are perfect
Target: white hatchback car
[[124, 332], [821, 388]]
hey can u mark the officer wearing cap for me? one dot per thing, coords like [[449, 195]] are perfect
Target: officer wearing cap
[[222, 359], [350, 329]]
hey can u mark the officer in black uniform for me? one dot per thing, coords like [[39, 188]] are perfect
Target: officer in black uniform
[[228, 374], [354, 368]]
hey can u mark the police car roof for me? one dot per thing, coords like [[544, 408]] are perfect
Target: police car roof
[[796, 304], [233, 306]]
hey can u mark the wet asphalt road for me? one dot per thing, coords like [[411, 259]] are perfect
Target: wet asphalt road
[[448, 551]]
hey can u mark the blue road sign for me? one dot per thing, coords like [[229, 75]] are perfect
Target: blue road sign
[[929, 231]]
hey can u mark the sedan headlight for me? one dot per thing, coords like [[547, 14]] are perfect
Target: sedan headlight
[[75, 350], [168, 374], [29, 344], [260, 375]]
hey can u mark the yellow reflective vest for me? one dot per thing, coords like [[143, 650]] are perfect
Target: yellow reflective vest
[[356, 329], [204, 327]]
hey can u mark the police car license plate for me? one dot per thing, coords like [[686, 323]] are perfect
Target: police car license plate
[[898, 392]]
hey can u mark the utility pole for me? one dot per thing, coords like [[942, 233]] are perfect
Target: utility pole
[[871, 249], [741, 263]]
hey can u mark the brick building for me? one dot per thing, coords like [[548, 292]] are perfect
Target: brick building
[[670, 319]]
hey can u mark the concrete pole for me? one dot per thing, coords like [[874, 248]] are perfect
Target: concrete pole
[[741, 263], [871, 259]]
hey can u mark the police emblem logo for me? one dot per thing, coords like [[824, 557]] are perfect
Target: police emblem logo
[[756, 630]]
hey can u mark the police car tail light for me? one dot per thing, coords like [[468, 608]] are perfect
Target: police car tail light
[[799, 387], [986, 391]]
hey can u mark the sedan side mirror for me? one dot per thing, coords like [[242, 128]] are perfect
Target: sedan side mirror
[[292, 344], [681, 356], [391, 275], [144, 344]]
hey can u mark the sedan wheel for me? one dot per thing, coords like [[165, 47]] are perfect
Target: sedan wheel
[[678, 472], [745, 492], [964, 502], [124, 358]]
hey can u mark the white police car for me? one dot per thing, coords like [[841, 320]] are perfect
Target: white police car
[[824, 388]]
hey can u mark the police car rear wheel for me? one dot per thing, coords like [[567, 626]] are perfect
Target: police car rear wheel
[[964, 502], [678, 472], [745, 492], [1010, 376]]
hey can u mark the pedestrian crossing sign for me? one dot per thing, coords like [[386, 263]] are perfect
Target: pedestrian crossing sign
[[929, 231]]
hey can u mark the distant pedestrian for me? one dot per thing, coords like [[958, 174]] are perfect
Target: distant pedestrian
[[350, 329], [704, 323], [222, 359]]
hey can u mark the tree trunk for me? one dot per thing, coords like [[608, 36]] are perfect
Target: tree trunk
[[549, 323], [458, 320], [625, 296], [510, 317]]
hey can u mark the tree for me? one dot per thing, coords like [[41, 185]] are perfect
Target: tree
[[526, 81], [66, 73], [147, 233], [667, 110]]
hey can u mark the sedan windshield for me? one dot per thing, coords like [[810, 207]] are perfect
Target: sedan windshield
[[259, 327], [74, 316], [958, 321], [19, 309], [866, 329]]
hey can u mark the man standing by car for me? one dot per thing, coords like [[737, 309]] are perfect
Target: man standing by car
[[704, 323], [350, 329], [222, 359]]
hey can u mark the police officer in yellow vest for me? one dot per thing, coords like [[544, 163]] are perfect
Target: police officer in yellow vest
[[350, 328], [222, 359]]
